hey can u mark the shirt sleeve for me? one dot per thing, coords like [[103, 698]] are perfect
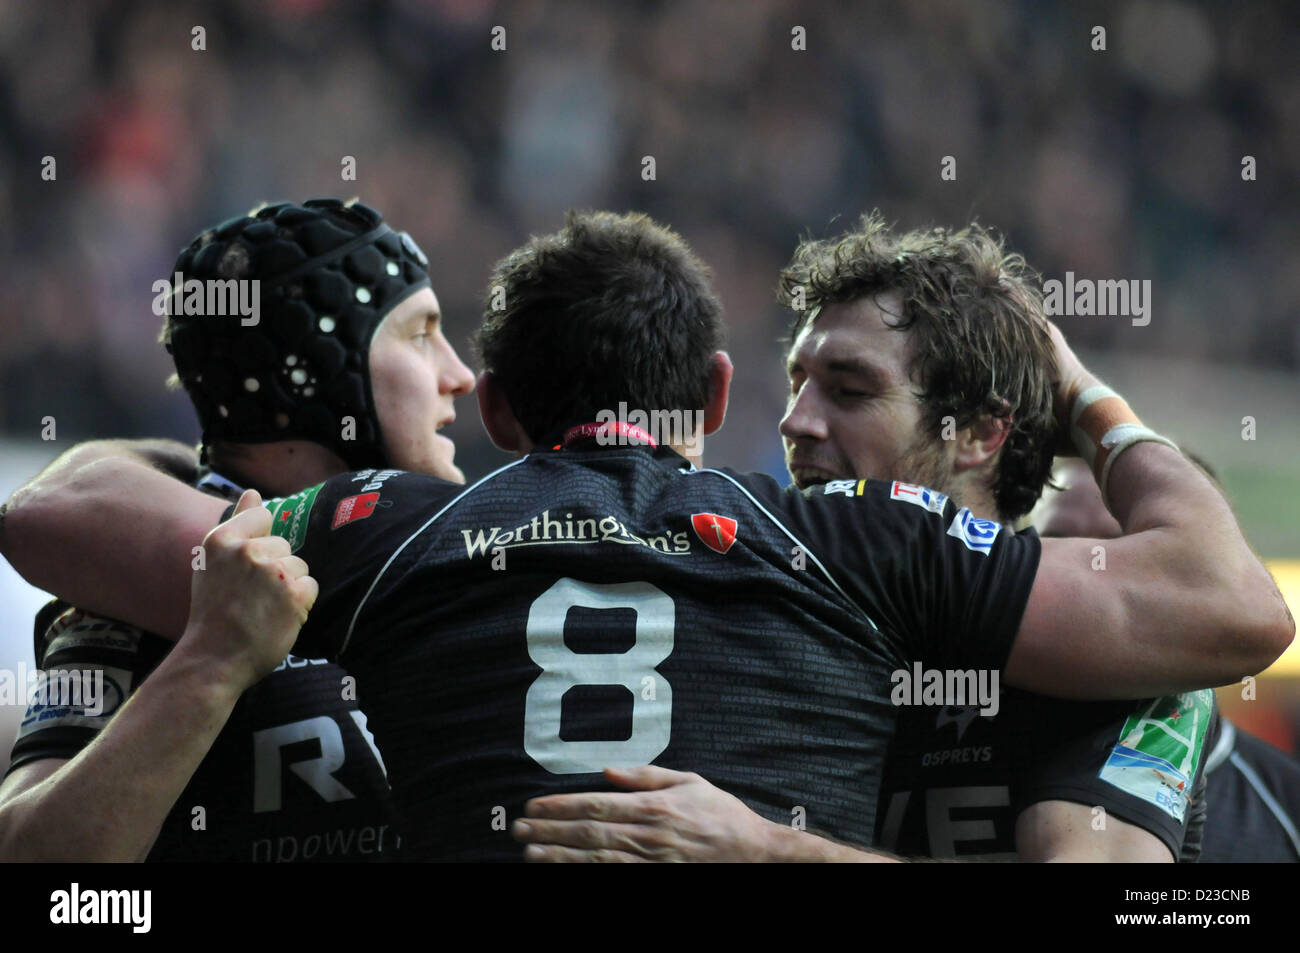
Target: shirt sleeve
[[347, 529], [1143, 762], [950, 588], [87, 667]]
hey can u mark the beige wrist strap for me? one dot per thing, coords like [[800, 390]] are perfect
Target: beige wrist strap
[[1102, 427]]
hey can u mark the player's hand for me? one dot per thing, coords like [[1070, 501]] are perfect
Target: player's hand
[[250, 599], [1071, 380], [668, 816]]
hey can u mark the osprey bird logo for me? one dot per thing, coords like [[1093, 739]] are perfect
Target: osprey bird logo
[[965, 715]]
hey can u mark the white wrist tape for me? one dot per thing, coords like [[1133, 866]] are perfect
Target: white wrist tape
[[1102, 427], [1122, 442]]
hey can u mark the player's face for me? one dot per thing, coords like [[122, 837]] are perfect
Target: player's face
[[853, 412], [415, 376], [1077, 510]]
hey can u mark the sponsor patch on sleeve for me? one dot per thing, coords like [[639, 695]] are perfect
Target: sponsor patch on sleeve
[[846, 487], [977, 534], [74, 698], [922, 496], [77, 632], [289, 516], [353, 508], [1159, 749]]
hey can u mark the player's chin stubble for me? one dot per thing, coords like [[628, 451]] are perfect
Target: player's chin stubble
[[925, 465]]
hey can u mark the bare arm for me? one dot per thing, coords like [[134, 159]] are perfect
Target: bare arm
[[1182, 604], [1062, 832], [108, 802], [171, 457], [101, 526], [1046, 832], [672, 816]]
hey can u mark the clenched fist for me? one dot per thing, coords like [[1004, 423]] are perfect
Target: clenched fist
[[250, 600]]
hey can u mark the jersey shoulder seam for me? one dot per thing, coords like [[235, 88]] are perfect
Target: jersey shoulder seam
[[347, 638], [786, 530]]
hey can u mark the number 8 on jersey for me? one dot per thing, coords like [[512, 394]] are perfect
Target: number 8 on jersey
[[562, 669]]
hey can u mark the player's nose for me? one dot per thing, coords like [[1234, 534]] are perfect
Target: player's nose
[[455, 378], [803, 418]]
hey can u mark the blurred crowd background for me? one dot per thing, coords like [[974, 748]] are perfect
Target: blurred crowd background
[[1116, 164]]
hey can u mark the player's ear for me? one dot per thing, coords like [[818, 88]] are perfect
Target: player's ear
[[715, 411], [980, 442], [499, 417]]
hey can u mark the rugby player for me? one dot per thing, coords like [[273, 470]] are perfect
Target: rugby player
[[1253, 789], [592, 605], [160, 736], [348, 329], [902, 337]]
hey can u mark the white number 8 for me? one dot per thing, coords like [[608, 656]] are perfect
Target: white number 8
[[563, 668]]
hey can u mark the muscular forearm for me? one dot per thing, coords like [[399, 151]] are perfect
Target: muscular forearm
[[1066, 832], [108, 803], [1197, 588], [1177, 602], [176, 459], [787, 845], [108, 532]]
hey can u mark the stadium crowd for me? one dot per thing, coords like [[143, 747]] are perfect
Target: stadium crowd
[[1137, 148]]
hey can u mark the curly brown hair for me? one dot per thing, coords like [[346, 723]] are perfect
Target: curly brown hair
[[980, 343]]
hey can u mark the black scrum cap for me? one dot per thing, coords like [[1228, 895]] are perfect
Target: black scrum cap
[[328, 272]]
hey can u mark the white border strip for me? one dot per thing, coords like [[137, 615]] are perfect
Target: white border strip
[[397, 552], [1266, 796], [781, 526]]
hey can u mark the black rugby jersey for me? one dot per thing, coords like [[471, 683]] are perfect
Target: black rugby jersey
[[293, 776], [615, 607], [1254, 795], [956, 780]]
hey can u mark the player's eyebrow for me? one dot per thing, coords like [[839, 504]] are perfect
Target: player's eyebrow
[[857, 367], [851, 366]]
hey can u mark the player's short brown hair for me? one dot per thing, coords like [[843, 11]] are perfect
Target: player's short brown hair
[[980, 343], [610, 308]]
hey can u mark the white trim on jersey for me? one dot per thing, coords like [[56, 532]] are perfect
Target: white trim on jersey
[[782, 527], [1265, 795], [460, 496], [1222, 747], [397, 552]]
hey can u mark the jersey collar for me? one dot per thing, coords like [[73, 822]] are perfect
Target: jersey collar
[[214, 483]]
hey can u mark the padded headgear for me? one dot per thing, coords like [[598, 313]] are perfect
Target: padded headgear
[[328, 274]]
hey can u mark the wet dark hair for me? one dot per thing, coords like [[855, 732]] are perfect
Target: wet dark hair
[[609, 308]]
